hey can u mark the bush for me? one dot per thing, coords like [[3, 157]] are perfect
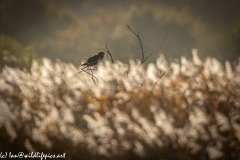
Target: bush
[[192, 112], [13, 54]]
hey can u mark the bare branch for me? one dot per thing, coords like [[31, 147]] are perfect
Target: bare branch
[[107, 50], [156, 50], [102, 49], [93, 77], [109, 53], [161, 76], [137, 35], [143, 52], [94, 81], [165, 72], [83, 70]]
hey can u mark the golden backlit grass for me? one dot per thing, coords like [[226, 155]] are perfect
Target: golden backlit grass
[[192, 112]]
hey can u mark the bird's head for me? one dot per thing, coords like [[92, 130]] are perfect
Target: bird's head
[[101, 53]]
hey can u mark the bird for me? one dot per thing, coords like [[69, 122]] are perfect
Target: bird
[[94, 60]]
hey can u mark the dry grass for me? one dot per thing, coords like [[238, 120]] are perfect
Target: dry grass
[[192, 112]]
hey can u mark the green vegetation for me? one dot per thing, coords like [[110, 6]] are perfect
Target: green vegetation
[[235, 38], [14, 54], [192, 112]]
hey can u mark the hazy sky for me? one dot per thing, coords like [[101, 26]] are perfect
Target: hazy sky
[[74, 29]]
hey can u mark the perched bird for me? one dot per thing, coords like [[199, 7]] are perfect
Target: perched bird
[[94, 60]]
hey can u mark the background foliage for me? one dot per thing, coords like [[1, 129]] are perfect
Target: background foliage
[[14, 54], [67, 30]]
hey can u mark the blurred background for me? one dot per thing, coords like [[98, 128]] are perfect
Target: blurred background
[[130, 111], [71, 30]]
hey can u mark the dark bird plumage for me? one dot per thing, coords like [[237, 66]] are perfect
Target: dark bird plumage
[[94, 60]]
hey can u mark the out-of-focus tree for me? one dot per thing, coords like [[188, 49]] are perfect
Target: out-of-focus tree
[[230, 43], [14, 54], [235, 39]]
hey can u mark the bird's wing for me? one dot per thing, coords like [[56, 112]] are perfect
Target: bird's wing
[[92, 59]]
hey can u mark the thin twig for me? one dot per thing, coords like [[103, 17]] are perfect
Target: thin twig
[[165, 71], [102, 48], [87, 73], [156, 50], [82, 69], [80, 60], [161, 76], [94, 81], [107, 50], [92, 77], [137, 35], [143, 52], [109, 53]]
